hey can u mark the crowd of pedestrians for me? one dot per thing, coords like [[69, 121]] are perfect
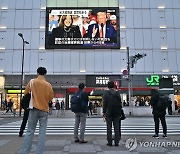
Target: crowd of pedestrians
[[41, 105], [60, 108]]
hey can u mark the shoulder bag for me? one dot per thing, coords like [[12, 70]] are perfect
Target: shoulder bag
[[123, 116], [27, 98]]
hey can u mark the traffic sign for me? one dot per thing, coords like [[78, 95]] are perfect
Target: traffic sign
[[125, 74]]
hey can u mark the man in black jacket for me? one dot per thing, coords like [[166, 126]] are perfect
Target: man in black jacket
[[112, 110], [158, 114]]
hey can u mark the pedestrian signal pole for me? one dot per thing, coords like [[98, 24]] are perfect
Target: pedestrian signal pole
[[131, 61], [129, 82]]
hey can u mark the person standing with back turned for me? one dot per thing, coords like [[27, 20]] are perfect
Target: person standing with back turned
[[80, 116], [42, 93], [112, 110], [158, 114]]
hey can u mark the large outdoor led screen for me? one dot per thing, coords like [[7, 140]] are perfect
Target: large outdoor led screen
[[82, 28]]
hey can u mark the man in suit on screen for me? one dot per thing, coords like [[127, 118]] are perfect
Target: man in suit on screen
[[102, 29]]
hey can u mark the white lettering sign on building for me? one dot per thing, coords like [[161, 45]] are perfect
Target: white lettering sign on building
[[174, 78], [102, 80]]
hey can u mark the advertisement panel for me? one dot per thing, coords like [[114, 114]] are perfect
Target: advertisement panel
[[82, 28]]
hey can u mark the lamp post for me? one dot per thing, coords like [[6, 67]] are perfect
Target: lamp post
[[22, 68]]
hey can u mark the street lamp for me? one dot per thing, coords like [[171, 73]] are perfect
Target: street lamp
[[22, 68]]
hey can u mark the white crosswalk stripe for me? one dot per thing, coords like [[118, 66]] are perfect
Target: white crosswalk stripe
[[95, 126]]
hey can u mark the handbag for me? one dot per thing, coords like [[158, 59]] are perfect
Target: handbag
[[123, 116], [26, 98]]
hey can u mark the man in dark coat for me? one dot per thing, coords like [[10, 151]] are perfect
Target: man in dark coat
[[158, 114], [112, 108]]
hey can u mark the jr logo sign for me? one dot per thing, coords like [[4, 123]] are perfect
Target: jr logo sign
[[153, 80]]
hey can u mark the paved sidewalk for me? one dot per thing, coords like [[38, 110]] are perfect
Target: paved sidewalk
[[95, 145]]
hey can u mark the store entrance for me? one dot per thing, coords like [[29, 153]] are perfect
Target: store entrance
[[96, 104], [177, 102]]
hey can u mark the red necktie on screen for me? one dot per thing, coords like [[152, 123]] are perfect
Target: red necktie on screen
[[83, 31], [101, 31]]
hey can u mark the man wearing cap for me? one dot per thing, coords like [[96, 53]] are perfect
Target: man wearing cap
[[113, 21]]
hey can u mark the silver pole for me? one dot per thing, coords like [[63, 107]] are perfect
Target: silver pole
[[129, 83], [22, 70]]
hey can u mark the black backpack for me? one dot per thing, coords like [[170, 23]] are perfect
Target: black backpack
[[25, 101], [77, 103], [114, 106], [162, 103]]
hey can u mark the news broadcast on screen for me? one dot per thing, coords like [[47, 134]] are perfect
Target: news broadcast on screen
[[82, 28]]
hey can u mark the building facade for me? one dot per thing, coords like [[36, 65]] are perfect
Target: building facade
[[150, 27]]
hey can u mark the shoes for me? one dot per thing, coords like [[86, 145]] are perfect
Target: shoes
[[83, 141], [116, 144], [109, 144], [155, 136], [20, 134], [77, 140], [164, 136]]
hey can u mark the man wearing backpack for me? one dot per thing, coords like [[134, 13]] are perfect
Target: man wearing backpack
[[159, 106], [79, 105], [112, 109]]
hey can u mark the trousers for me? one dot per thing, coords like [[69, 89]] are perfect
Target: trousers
[[116, 123], [80, 119], [35, 115], [25, 119], [157, 118]]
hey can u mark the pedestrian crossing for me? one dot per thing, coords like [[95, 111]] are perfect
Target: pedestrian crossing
[[95, 126]]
